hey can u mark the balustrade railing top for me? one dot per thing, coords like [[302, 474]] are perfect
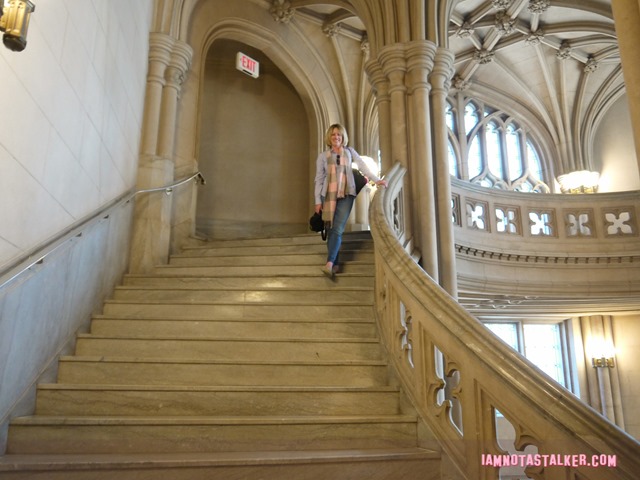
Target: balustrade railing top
[[588, 224], [463, 380]]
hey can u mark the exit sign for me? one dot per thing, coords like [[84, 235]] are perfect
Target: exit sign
[[247, 65]]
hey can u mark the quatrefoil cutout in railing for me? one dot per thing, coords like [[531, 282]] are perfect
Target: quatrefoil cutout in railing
[[578, 224], [619, 224], [476, 216], [516, 445], [448, 395], [506, 220], [406, 333], [541, 223]]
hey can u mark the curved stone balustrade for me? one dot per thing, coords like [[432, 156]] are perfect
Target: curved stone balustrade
[[458, 374], [529, 243]]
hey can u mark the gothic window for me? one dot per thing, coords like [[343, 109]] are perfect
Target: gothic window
[[491, 148], [544, 344]]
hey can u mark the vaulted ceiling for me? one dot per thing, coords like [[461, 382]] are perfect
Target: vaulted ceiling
[[554, 61]]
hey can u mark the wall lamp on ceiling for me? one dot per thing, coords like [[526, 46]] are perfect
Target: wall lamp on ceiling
[[14, 22], [582, 181]]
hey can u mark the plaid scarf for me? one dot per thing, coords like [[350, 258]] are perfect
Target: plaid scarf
[[336, 185]]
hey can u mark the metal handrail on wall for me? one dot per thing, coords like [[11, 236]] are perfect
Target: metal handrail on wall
[[38, 255]]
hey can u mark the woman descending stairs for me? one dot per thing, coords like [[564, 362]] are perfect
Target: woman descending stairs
[[238, 360]]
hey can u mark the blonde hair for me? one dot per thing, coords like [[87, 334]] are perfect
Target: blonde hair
[[341, 129]]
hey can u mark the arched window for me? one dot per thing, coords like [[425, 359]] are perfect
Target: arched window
[[489, 147]]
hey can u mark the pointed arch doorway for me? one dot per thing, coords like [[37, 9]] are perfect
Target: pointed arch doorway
[[254, 149]]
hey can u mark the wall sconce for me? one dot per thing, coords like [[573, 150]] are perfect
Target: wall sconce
[[14, 22], [603, 362], [581, 181]]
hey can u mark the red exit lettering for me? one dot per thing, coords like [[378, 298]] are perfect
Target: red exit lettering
[[247, 65]]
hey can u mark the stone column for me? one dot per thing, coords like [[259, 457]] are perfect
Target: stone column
[[603, 381], [626, 14], [420, 61], [380, 86], [440, 82], [174, 76], [394, 66], [169, 60], [160, 46]]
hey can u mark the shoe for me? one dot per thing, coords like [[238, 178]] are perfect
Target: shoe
[[335, 269], [328, 272]]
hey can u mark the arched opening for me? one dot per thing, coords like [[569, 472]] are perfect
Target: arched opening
[[254, 148]]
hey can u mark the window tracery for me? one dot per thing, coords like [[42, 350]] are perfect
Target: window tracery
[[490, 147]]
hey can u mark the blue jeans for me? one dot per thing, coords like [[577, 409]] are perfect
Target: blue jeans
[[334, 234]]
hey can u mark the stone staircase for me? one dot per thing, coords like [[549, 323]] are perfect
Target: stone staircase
[[238, 360]]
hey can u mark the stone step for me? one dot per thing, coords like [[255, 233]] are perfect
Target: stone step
[[121, 400], [263, 271], [370, 464], [350, 250], [349, 239], [101, 325], [290, 297], [249, 282], [251, 349], [96, 370], [109, 435], [317, 259], [321, 312]]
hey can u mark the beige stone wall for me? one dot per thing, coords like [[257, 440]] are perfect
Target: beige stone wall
[[71, 117], [614, 154], [253, 149], [626, 332], [72, 110]]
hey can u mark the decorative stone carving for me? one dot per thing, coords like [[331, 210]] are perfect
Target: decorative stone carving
[[579, 223], [542, 224], [331, 29], [477, 215], [504, 24], [507, 220], [365, 46], [591, 65], [460, 84], [281, 11], [564, 52], [483, 56], [405, 335], [619, 223], [465, 30], [500, 4], [538, 6], [535, 38]]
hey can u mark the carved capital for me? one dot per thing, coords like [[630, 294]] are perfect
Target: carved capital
[[500, 4], [591, 65], [538, 6], [504, 23], [465, 30], [460, 84], [281, 11], [564, 52], [331, 29], [535, 38], [483, 56]]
